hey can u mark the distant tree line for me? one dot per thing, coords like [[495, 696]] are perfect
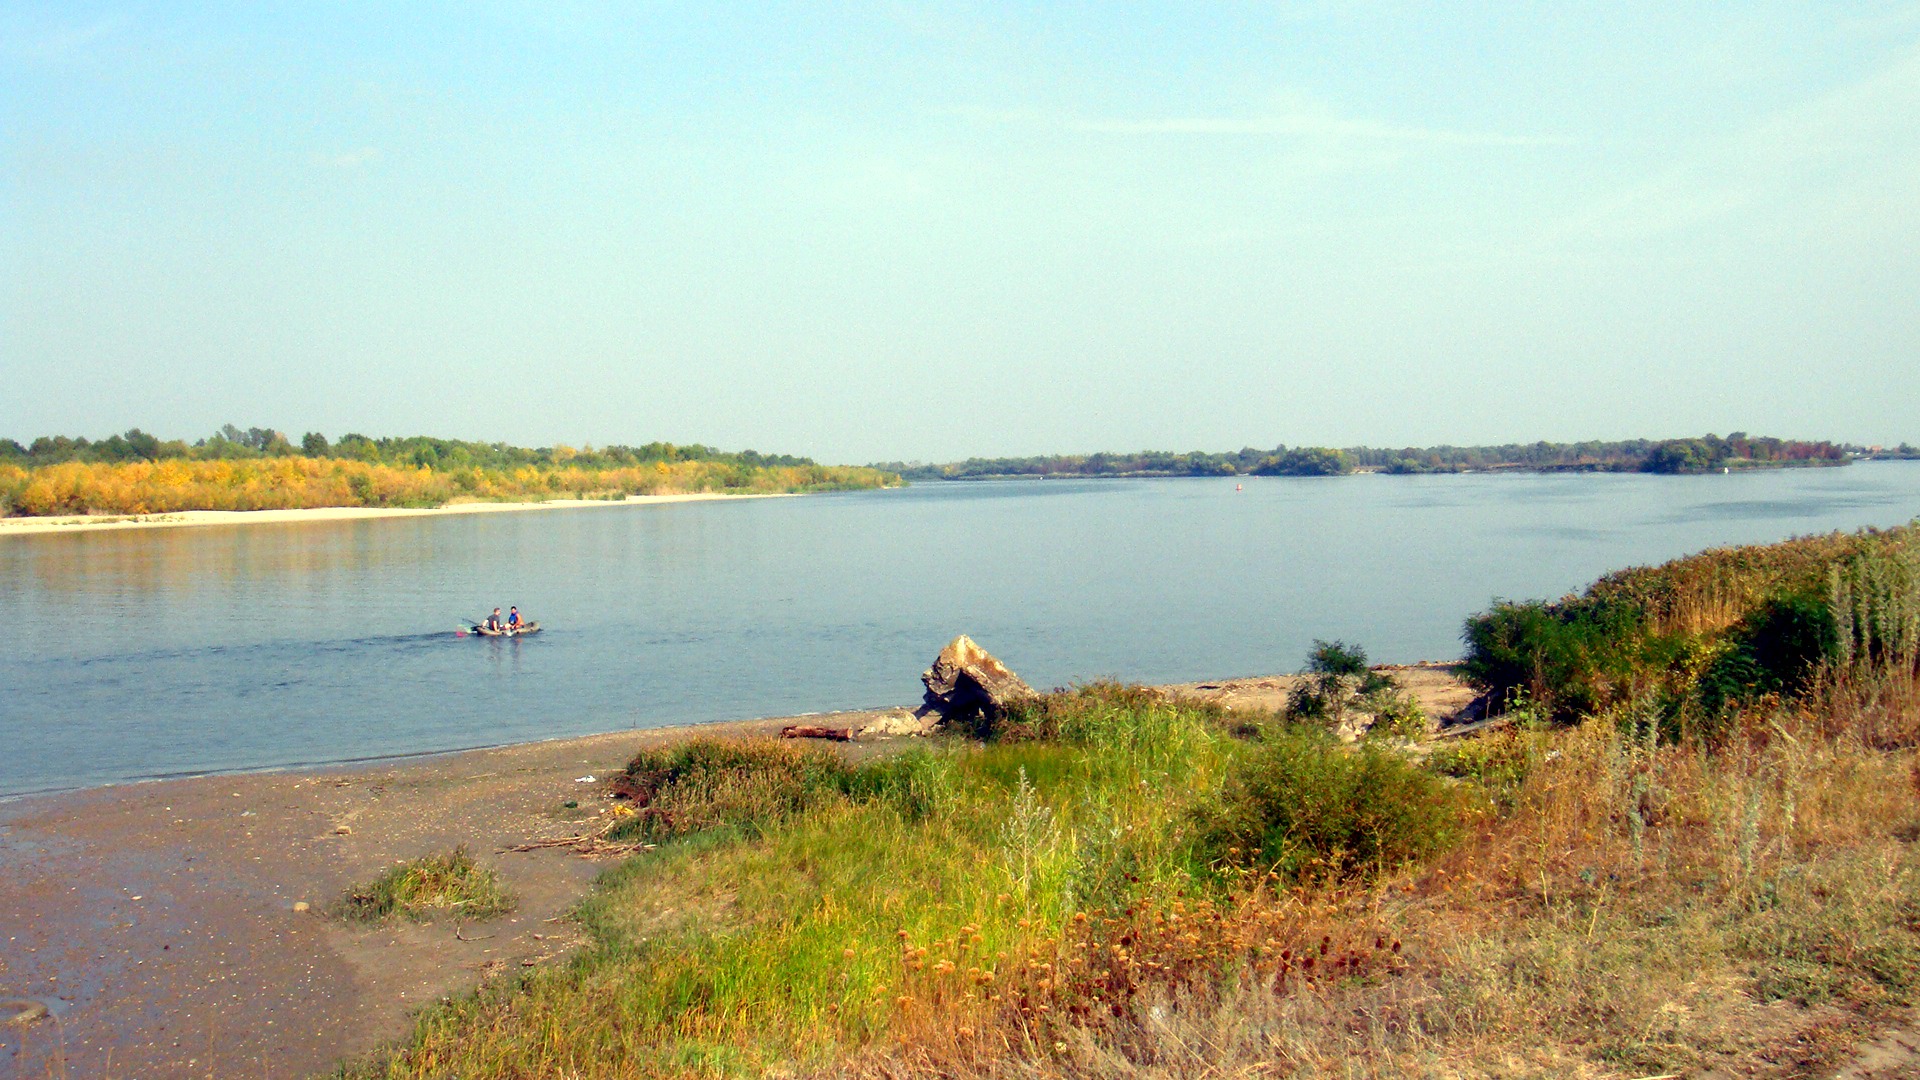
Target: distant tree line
[[231, 443], [1707, 453]]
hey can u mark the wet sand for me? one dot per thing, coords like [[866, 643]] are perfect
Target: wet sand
[[32, 526], [157, 920]]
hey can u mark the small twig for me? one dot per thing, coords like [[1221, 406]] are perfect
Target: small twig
[[558, 841]]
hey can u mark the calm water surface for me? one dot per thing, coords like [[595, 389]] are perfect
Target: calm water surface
[[152, 653]]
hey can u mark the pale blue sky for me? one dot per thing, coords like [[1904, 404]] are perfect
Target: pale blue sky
[[884, 230]]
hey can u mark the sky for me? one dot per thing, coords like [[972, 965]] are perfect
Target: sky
[[905, 231]]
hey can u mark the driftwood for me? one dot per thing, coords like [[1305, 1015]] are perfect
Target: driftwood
[[809, 731], [586, 845], [967, 681], [558, 841]]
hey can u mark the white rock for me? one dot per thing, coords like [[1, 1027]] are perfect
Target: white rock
[[901, 722]]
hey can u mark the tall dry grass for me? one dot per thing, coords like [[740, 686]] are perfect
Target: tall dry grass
[[1639, 909]]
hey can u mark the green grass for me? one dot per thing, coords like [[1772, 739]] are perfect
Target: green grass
[[446, 884]]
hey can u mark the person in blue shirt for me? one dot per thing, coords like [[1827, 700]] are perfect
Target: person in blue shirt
[[513, 620]]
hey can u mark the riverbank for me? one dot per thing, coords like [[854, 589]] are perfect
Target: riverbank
[[174, 928], [158, 919], [34, 526]]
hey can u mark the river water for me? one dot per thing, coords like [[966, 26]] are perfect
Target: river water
[[147, 653]]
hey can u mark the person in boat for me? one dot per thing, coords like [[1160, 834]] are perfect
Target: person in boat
[[513, 620], [493, 621]]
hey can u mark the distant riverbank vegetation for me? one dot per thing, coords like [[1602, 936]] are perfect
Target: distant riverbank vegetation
[[261, 469], [1709, 453]]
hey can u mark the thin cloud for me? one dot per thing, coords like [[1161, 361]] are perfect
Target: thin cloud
[[1311, 127], [1300, 124]]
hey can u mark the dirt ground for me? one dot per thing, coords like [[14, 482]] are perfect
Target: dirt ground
[[157, 922]]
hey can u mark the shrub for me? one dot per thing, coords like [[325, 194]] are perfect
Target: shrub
[[1307, 461], [1497, 763], [452, 883], [1571, 657], [1775, 650], [1336, 680], [1304, 807], [1396, 715], [751, 785], [919, 783]]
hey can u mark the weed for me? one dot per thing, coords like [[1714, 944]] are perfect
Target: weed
[[1396, 715], [450, 884]]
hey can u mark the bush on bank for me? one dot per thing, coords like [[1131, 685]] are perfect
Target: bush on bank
[[1709, 633]]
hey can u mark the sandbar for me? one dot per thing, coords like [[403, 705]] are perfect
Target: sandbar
[[30, 526]]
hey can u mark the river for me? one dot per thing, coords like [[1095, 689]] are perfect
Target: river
[[147, 653]]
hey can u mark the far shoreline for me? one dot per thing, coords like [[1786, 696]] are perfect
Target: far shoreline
[[87, 523]]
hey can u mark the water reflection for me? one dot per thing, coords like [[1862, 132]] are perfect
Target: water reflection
[[175, 559]]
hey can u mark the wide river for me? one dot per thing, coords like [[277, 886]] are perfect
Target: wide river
[[148, 653]]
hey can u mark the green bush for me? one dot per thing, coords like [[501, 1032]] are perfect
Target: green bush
[[1301, 805], [1573, 658], [920, 783], [1336, 680], [1496, 763], [1096, 715], [1307, 461], [1774, 650]]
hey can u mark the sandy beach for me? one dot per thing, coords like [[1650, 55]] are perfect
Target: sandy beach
[[158, 921], [34, 526]]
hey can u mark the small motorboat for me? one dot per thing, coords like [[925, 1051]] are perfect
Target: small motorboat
[[479, 630]]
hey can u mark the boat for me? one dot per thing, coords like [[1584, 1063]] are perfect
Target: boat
[[479, 630]]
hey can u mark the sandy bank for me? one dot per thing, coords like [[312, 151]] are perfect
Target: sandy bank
[[29, 526]]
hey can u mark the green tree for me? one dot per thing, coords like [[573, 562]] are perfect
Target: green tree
[[1307, 461]]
